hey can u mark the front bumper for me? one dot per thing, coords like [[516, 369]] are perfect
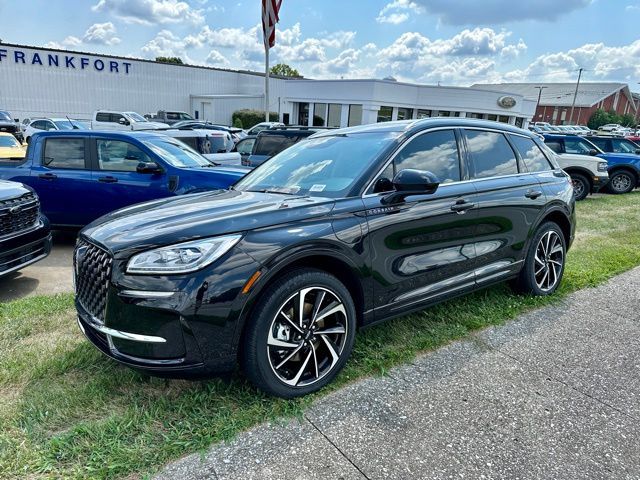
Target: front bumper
[[599, 183], [174, 326], [24, 248]]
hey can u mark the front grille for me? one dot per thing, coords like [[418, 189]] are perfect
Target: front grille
[[18, 214], [93, 272]]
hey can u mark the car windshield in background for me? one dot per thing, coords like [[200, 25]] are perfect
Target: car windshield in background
[[323, 167], [6, 141], [177, 153], [67, 125], [5, 117], [136, 117]]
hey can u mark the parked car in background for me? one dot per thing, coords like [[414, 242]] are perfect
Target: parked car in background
[[614, 144], [236, 133], [623, 168], [81, 175], [609, 127], [111, 120], [8, 125], [49, 124], [25, 236], [169, 117], [343, 230], [244, 147], [273, 140], [256, 129], [215, 145], [10, 147]]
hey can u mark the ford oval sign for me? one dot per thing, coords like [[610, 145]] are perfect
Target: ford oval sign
[[507, 102]]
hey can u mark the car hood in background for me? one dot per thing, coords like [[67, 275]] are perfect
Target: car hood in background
[[188, 217], [12, 189], [149, 125]]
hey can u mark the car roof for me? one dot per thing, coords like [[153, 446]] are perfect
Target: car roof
[[6, 134], [144, 135]]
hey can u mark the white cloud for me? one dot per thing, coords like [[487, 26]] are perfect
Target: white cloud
[[70, 43], [151, 12], [101, 33], [344, 63], [216, 58], [165, 44], [398, 11]]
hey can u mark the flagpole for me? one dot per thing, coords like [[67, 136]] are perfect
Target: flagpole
[[266, 81]]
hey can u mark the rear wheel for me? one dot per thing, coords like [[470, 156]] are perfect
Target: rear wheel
[[581, 186], [302, 334], [545, 261], [621, 182]]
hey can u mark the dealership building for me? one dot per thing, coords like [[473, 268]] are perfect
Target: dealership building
[[43, 82]]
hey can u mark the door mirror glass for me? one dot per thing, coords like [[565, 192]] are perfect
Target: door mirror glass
[[593, 152], [123, 121], [412, 182], [148, 168], [637, 151]]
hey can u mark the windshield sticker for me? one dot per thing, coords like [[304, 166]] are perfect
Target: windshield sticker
[[317, 188]]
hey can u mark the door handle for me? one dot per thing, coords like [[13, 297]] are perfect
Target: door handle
[[48, 176], [533, 194], [108, 179], [461, 206]]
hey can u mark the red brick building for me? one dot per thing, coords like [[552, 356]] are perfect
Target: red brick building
[[556, 99]]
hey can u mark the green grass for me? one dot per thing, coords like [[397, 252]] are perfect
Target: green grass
[[67, 411]]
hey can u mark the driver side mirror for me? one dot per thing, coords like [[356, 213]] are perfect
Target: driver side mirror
[[638, 151], [148, 168], [593, 153], [411, 182], [123, 121]]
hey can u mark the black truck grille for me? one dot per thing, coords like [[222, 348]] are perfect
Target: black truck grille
[[18, 214], [93, 273]]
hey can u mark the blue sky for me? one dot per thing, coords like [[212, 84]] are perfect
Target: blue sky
[[455, 42]]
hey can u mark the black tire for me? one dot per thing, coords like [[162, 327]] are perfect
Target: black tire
[[621, 182], [581, 186], [28, 139], [261, 359], [528, 280]]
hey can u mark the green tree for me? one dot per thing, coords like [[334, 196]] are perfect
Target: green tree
[[237, 123], [174, 60], [284, 70], [599, 118], [628, 120]]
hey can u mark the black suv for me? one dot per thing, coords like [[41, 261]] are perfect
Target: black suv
[[8, 125], [345, 229], [273, 140]]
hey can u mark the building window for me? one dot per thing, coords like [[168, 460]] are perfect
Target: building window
[[303, 114], [519, 122], [503, 119], [444, 113], [456, 114], [405, 113], [335, 112], [493, 117], [319, 114], [424, 113], [385, 114], [474, 115], [355, 115]]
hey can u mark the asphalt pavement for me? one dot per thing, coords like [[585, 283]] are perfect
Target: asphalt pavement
[[52, 275], [554, 394]]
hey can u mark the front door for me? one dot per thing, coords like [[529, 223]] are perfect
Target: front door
[[422, 247]]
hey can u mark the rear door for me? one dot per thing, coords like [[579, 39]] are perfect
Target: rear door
[[422, 247], [114, 175], [510, 200], [62, 179]]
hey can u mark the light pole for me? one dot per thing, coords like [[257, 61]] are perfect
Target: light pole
[[540, 88], [575, 94]]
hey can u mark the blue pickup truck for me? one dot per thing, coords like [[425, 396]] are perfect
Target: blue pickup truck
[[624, 168], [81, 175]]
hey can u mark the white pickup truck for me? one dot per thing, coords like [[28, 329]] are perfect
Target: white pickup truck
[[215, 145], [114, 120]]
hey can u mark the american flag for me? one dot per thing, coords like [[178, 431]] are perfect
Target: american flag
[[270, 9]]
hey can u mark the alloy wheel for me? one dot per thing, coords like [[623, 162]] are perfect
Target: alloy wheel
[[621, 182], [307, 336], [549, 261], [578, 188]]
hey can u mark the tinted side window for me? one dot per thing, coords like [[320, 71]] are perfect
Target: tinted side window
[[623, 146], [601, 143], [436, 152], [64, 153], [554, 146], [491, 154], [119, 156], [102, 117], [272, 144], [533, 157], [577, 146], [245, 147]]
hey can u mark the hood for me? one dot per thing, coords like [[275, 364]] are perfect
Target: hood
[[12, 190], [580, 158], [149, 125], [623, 157], [188, 217], [11, 152]]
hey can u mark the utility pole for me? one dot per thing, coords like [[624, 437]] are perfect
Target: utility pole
[[539, 95], [575, 94]]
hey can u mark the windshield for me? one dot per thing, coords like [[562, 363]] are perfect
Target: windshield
[[177, 153], [136, 116], [323, 167], [4, 116], [6, 141], [67, 125]]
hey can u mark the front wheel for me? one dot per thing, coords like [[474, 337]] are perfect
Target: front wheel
[[302, 334], [545, 262], [621, 182], [581, 186]]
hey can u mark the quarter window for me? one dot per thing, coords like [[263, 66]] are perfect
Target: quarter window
[[491, 154], [436, 152], [64, 153], [531, 154], [119, 156]]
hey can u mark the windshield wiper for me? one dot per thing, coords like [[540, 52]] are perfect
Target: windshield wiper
[[270, 190]]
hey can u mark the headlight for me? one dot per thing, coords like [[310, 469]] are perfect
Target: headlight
[[182, 257], [603, 166]]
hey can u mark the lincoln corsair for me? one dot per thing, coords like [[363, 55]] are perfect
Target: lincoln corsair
[[343, 230]]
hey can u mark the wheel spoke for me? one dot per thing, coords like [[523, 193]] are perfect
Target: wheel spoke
[[556, 249], [275, 342], [329, 331], [301, 296], [290, 356], [317, 305], [332, 350], [537, 259], [330, 310], [546, 249], [294, 381], [556, 262], [540, 270], [546, 274], [291, 322], [315, 359]]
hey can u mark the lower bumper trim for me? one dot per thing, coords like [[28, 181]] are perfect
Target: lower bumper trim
[[134, 337]]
